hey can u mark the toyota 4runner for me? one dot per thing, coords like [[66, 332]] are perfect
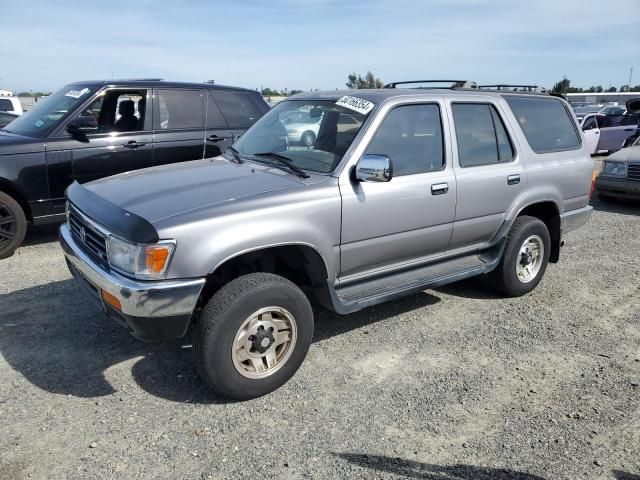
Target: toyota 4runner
[[400, 190]]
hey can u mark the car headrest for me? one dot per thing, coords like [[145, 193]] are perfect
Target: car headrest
[[126, 108]]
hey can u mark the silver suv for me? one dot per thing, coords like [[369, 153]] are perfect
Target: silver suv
[[401, 190]]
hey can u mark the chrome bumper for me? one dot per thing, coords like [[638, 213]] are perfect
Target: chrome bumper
[[574, 219], [152, 299]]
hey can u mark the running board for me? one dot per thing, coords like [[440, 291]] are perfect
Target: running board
[[356, 296]]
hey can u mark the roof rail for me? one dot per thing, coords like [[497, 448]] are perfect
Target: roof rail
[[142, 79], [515, 88], [454, 83]]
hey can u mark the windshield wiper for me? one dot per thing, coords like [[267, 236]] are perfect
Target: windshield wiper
[[286, 161], [235, 154]]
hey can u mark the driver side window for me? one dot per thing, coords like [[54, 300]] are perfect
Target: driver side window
[[411, 136], [118, 111]]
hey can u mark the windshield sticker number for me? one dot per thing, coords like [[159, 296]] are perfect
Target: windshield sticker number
[[76, 93], [357, 104]]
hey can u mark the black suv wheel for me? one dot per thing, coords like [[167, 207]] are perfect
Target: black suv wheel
[[13, 225]]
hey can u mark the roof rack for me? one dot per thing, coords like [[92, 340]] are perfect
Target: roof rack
[[142, 79], [454, 83], [515, 88]]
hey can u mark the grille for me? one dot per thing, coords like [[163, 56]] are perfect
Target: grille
[[87, 236], [633, 172]]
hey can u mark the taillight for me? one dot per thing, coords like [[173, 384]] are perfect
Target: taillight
[[593, 183]]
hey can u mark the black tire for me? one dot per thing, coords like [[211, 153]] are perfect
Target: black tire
[[308, 139], [13, 225], [504, 278], [223, 316]]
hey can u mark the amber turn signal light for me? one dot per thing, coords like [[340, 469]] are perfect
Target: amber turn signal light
[[110, 300]]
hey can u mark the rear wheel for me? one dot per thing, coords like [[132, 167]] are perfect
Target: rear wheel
[[13, 225], [525, 258], [253, 335]]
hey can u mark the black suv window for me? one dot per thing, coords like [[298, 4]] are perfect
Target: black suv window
[[240, 109], [6, 105], [118, 111], [481, 135], [411, 136], [214, 115], [178, 109], [545, 122]]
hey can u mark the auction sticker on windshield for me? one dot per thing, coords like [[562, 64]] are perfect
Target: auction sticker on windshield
[[359, 105], [76, 93]]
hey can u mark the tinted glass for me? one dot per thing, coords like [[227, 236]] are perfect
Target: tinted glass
[[6, 118], [178, 109], [214, 115], [545, 122], [590, 123], [240, 109], [632, 120], [411, 136], [6, 105], [481, 135]]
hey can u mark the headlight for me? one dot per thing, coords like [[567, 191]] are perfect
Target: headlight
[[614, 169], [142, 261]]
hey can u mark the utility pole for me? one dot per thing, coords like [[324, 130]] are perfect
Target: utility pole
[[630, 77]]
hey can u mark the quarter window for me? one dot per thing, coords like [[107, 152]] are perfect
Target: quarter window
[[214, 115], [178, 109], [6, 105], [546, 123], [411, 136], [481, 135]]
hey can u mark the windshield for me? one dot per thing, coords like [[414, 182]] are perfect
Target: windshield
[[312, 134], [46, 113]]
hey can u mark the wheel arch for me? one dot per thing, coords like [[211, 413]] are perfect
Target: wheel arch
[[13, 190], [549, 213]]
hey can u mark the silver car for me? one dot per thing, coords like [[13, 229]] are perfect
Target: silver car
[[427, 187]]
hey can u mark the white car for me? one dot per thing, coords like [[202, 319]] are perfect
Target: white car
[[304, 130], [11, 104]]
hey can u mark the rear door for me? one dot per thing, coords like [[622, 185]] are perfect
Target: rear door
[[178, 125], [591, 131], [614, 130], [490, 174], [218, 135]]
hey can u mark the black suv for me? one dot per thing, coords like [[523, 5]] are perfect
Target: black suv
[[93, 129]]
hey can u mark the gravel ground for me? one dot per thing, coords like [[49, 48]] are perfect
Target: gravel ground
[[454, 383]]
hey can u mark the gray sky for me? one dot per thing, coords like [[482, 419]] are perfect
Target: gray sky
[[307, 44]]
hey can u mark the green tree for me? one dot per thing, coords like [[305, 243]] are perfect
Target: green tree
[[267, 92], [635, 89], [368, 81], [562, 87], [612, 89]]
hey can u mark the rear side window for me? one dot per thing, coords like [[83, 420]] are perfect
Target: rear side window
[[545, 122], [240, 109], [178, 109], [481, 135], [214, 115], [6, 105]]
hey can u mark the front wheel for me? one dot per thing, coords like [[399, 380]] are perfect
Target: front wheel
[[308, 139], [525, 258], [253, 335], [13, 225]]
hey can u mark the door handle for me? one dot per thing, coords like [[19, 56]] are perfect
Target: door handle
[[513, 179], [133, 144], [628, 129], [596, 133], [439, 188], [215, 138]]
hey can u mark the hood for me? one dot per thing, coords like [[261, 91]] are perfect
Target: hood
[[160, 192], [625, 154], [633, 105], [11, 144]]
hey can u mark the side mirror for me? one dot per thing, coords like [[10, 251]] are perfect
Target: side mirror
[[79, 127], [374, 168]]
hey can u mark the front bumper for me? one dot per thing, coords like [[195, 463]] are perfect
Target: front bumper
[[151, 310], [574, 219], [618, 187]]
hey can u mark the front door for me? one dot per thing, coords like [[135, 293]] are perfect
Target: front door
[[408, 219], [121, 142], [489, 173], [591, 132], [178, 125]]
